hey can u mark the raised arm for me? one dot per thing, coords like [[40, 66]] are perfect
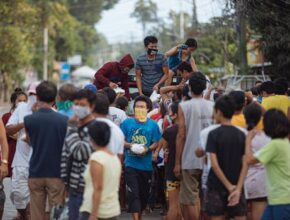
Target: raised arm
[[172, 51]]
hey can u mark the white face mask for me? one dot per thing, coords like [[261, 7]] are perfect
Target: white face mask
[[81, 111]]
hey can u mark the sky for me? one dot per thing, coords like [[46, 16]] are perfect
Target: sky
[[117, 25]]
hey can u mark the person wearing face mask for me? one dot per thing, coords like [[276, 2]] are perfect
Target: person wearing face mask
[[141, 138], [114, 74], [15, 126], [77, 149], [151, 68]]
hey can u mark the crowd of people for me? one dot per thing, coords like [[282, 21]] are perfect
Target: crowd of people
[[192, 149]]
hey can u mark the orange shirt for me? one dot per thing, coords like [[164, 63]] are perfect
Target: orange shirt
[[239, 120]]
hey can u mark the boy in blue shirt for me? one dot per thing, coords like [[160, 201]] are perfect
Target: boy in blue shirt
[[138, 166]]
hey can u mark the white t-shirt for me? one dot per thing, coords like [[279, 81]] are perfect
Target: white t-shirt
[[23, 150], [109, 203], [117, 115], [117, 140]]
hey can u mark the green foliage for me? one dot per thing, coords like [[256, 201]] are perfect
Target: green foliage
[[145, 12], [271, 19]]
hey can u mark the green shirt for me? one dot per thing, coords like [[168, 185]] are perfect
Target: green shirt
[[276, 158]]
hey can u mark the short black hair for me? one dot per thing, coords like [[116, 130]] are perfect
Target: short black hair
[[111, 94], [122, 102], [276, 124], [258, 82], [191, 42], [197, 83], [226, 105], [85, 94], [101, 104], [46, 91], [239, 99], [268, 87], [253, 114], [150, 39], [100, 133], [67, 92], [143, 98], [174, 107], [281, 86], [184, 66], [185, 92]]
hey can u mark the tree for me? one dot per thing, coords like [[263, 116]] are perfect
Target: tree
[[17, 30], [271, 19], [145, 12], [89, 11]]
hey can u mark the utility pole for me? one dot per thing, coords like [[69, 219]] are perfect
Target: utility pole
[[242, 39], [181, 24], [194, 15], [45, 53]]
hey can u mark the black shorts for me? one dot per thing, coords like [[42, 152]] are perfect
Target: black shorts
[[138, 184], [216, 204]]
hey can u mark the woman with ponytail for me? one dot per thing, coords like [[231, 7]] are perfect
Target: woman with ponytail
[[255, 187]]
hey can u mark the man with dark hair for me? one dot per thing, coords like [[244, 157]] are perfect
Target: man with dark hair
[[141, 137], [64, 101], [181, 53], [116, 115], [193, 116], [267, 89], [77, 149], [114, 74], [151, 68], [46, 130], [280, 100], [224, 184], [101, 111]]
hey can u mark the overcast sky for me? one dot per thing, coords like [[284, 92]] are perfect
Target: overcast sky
[[117, 25]]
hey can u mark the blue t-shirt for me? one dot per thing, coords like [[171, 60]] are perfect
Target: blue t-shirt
[[175, 60], [69, 113], [46, 130], [141, 133]]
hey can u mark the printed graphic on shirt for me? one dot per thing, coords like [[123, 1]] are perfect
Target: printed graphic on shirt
[[138, 137]]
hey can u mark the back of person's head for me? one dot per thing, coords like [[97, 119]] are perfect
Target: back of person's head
[[91, 87], [66, 92], [100, 133], [276, 124], [122, 103], [184, 66], [253, 114], [150, 39], [85, 94], [226, 105], [46, 91], [174, 107], [281, 86], [101, 104], [143, 98], [111, 94], [239, 99], [268, 87], [197, 83], [185, 93], [191, 42], [254, 91]]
